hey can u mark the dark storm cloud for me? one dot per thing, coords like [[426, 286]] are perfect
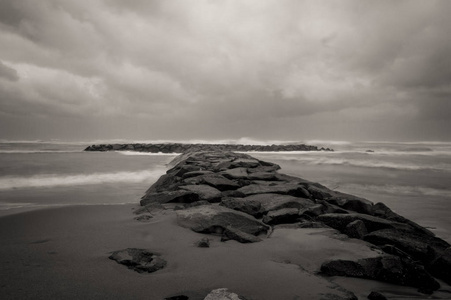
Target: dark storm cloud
[[157, 69]]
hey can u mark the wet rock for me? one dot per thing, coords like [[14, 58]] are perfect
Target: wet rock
[[215, 219], [220, 182], [204, 192], [139, 260], [250, 207], [390, 269], [236, 173], [356, 229], [340, 221], [179, 196], [231, 233], [284, 188], [282, 216], [441, 266], [420, 247], [223, 294], [203, 243], [178, 297], [376, 296]]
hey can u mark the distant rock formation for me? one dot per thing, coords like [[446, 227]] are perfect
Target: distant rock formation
[[182, 148], [242, 198]]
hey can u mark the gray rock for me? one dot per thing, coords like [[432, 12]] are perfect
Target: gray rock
[[441, 266], [204, 192], [215, 219], [390, 269], [376, 296], [139, 260], [250, 207], [236, 173], [180, 196], [284, 188], [356, 229], [203, 243], [220, 182], [340, 221], [231, 233], [282, 216], [222, 294]]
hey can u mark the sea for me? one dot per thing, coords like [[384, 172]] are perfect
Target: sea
[[412, 178]]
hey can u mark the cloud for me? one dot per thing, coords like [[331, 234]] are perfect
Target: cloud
[[195, 67]]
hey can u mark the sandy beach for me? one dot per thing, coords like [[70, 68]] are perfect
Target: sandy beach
[[63, 253]]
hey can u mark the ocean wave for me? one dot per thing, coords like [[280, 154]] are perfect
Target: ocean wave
[[38, 151], [316, 160], [145, 153], [398, 190], [52, 180]]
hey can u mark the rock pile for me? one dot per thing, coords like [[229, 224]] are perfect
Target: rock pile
[[242, 198], [182, 148]]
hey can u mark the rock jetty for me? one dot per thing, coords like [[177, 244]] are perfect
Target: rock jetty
[[182, 148], [242, 198]]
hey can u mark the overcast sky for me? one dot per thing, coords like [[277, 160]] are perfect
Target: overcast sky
[[217, 69]]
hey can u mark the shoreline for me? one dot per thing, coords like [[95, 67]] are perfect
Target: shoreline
[[65, 254]]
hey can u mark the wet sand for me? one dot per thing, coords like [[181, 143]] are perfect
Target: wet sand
[[63, 253]]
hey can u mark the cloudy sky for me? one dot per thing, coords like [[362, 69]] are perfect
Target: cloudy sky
[[217, 69]]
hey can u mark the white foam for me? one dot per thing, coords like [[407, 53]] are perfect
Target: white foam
[[146, 153], [52, 180]]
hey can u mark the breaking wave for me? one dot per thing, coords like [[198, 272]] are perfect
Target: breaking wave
[[52, 180]]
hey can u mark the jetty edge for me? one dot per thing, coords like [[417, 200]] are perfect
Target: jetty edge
[[186, 147], [241, 198]]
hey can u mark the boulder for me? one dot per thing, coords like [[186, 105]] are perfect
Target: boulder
[[204, 192], [215, 219], [180, 196], [391, 269], [441, 266], [236, 173], [139, 260], [284, 188], [220, 182], [203, 243], [282, 216], [421, 247], [340, 221], [250, 207], [376, 296], [231, 233], [222, 294], [356, 229]]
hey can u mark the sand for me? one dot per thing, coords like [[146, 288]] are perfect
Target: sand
[[62, 253]]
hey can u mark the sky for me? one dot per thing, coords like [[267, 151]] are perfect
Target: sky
[[225, 69]]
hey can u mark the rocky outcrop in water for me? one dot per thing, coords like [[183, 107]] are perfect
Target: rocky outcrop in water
[[139, 260], [182, 148], [242, 198]]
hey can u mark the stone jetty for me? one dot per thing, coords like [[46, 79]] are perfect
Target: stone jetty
[[242, 198], [183, 148]]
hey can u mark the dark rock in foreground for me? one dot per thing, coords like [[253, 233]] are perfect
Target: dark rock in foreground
[[182, 148], [253, 196], [139, 260], [388, 268]]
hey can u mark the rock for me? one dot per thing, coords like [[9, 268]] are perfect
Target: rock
[[420, 247], [220, 182], [197, 203], [391, 269], [282, 216], [356, 229], [139, 260], [441, 266], [284, 188], [215, 219], [262, 176], [236, 173], [244, 163], [376, 296], [178, 297], [250, 207], [231, 233], [203, 243], [340, 221], [204, 192], [222, 294], [179, 196], [350, 202], [196, 173], [144, 218]]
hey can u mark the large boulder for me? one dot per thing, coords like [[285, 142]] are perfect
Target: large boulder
[[179, 196], [139, 260], [222, 294], [388, 268], [282, 216], [215, 219], [340, 221], [284, 188], [205, 192]]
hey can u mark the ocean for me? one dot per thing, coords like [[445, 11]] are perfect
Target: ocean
[[413, 179]]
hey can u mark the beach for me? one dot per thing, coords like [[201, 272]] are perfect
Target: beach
[[60, 250]]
